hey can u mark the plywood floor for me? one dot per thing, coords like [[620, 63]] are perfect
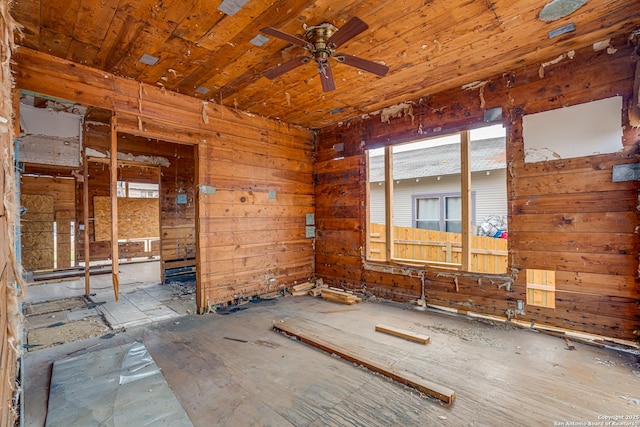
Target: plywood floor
[[501, 376]]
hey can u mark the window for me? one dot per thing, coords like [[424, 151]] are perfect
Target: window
[[138, 190], [440, 212], [435, 210], [428, 215]]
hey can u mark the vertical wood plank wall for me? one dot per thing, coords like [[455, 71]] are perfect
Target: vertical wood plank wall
[[564, 215], [252, 229], [247, 242]]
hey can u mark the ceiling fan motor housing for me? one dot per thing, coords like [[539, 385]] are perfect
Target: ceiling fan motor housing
[[317, 36]]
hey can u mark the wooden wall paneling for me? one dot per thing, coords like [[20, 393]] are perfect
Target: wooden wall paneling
[[559, 211], [282, 154]]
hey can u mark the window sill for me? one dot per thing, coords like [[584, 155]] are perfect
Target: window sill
[[409, 267]]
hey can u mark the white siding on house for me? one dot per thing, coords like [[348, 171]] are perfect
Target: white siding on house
[[376, 203], [490, 195]]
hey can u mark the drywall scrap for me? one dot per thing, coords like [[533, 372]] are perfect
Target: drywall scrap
[[290, 328]]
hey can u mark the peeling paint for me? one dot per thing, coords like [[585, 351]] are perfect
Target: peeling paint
[[477, 85], [396, 111], [534, 155], [205, 118], [570, 54], [601, 45]]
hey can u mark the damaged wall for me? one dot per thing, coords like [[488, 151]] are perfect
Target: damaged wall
[[254, 176], [9, 269], [565, 215]]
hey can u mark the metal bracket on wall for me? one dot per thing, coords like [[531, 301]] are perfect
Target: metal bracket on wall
[[207, 189]]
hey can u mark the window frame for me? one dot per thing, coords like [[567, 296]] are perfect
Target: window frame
[[468, 208]]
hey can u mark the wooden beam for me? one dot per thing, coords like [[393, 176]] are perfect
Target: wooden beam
[[634, 105], [113, 169], [367, 205], [465, 177], [407, 335], [106, 160], [85, 220], [445, 394], [201, 302], [388, 199]]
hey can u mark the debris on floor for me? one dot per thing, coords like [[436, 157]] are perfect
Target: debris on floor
[[302, 289], [407, 335], [299, 329], [57, 322], [343, 297]]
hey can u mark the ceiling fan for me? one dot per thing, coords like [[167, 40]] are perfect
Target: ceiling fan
[[322, 41]]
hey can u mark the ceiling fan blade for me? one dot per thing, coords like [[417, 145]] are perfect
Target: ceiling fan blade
[[286, 67], [326, 77], [270, 31], [348, 31], [363, 64]]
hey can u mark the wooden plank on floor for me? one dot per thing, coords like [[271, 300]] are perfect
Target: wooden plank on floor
[[438, 391], [407, 335]]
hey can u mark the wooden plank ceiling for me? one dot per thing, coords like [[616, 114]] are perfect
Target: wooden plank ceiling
[[429, 46]]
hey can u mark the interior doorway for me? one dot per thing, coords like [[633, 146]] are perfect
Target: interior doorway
[[63, 155]]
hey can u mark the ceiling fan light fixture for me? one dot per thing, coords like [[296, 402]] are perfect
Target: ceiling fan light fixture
[[321, 41]]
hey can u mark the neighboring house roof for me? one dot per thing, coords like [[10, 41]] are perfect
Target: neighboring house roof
[[486, 155]]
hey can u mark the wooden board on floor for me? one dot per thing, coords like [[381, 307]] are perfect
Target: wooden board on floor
[[407, 335], [438, 391]]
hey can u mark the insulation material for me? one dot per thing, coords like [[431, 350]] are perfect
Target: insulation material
[[577, 131], [120, 386], [37, 232], [137, 218]]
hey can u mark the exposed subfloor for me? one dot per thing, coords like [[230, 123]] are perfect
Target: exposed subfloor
[[234, 370], [142, 299]]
